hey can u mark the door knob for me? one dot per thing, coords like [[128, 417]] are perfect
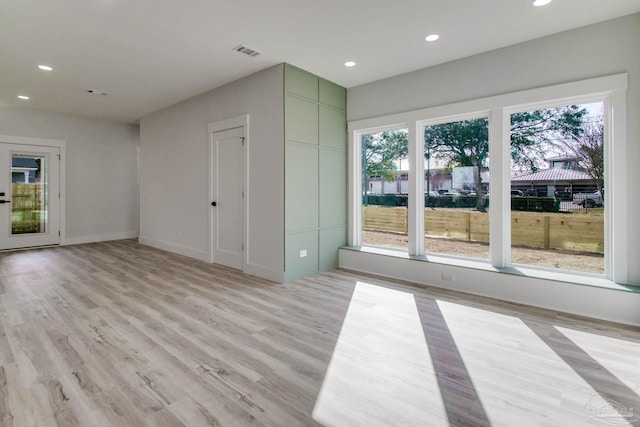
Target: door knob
[[214, 204]]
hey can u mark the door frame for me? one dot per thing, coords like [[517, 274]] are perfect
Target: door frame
[[62, 147], [241, 121]]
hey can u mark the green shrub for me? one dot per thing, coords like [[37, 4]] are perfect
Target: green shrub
[[530, 204], [385, 199], [535, 204]]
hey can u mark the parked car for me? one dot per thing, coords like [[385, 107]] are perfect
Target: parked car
[[433, 194], [588, 200], [447, 192], [516, 193]]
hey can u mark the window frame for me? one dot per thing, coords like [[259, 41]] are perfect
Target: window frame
[[361, 133], [355, 234], [611, 90], [421, 124]]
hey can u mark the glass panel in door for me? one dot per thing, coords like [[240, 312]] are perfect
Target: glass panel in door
[[29, 194]]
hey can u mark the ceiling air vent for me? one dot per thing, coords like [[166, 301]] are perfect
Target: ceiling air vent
[[97, 92], [246, 50]]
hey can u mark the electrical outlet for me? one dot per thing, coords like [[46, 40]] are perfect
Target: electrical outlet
[[448, 277], [303, 253]]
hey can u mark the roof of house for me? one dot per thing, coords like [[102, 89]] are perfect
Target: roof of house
[[562, 158], [554, 175], [24, 163]]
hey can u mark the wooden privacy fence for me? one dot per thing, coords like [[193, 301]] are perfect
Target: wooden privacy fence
[[583, 233], [387, 219], [26, 208]]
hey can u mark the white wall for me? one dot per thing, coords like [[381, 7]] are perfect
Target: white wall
[[602, 49], [101, 171], [174, 205]]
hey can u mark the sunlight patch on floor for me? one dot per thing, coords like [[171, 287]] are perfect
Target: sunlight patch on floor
[[614, 354], [380, 372], [402, 361], [495, 347]]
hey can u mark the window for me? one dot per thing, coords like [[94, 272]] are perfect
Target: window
[[516, 180], [557, 219], [385, 186], [456, 220]]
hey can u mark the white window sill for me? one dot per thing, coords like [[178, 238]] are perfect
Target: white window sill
[[577, 278]]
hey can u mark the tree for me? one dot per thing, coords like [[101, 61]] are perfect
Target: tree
[[463, 143], [466, 142], [588, 147], [534, 133], [380, 154]]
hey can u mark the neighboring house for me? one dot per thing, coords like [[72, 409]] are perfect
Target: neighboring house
[[24, 169], [561, 179], [435, 181]]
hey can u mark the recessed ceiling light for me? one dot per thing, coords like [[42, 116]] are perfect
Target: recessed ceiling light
[[25, 97], [541, 2], [45, 68], [350, 64], [432, 37]]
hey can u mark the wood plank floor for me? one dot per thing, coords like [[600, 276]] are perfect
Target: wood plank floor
[[119, 334]]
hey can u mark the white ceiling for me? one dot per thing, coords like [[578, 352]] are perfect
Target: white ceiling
[[149, 54]]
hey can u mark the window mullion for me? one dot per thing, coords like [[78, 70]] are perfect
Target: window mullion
[[416, 191], [616, 191], [500, 194], [355, 187]]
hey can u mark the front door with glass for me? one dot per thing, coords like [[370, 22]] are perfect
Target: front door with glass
[[29, 196]]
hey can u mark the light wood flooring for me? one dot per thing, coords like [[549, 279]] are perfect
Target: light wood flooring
[[119, 334]]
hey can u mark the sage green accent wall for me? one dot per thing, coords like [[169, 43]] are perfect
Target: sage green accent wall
[[302, 84], [315, 172], [301, 187], [296, 267], [301, 121], [332, 128], [330, 240], [332, 201], [333, 95]]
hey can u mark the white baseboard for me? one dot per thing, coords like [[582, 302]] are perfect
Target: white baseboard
[[253, 269], [99, 238], [264, 272], [177, 249]]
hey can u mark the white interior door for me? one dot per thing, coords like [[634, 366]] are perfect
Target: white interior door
[[29, 196], [227, 151]]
